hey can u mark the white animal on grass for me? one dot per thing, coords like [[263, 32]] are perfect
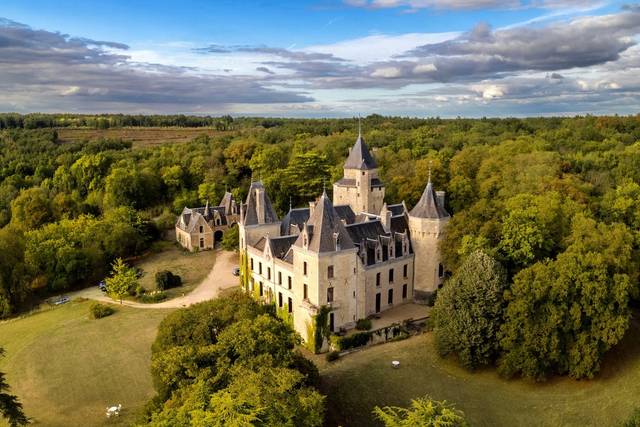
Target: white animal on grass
[[114, 410]]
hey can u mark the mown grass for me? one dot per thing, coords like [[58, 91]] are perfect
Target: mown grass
[[67, 368], [360, 381], [191, 267]]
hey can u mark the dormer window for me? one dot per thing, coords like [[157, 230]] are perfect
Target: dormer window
[[336, 238]]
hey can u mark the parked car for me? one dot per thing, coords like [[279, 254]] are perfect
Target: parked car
[[236, 271], [62, 300], [102, 286]]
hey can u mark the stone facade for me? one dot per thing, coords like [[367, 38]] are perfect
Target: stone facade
[[350, 258], [200, 228]]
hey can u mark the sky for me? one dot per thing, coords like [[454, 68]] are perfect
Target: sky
[[321, 58]]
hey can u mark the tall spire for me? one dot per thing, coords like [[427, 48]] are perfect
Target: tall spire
[[359, 156], [359, 127]]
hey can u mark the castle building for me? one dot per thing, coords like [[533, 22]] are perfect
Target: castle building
[[354, 257], [200, 228]]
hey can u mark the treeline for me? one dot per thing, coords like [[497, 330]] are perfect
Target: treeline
[[520, 190]]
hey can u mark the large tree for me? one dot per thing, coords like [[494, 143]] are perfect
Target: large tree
[[563, 315], [469, 311], [123, 278], [10, 406], [423, 412]]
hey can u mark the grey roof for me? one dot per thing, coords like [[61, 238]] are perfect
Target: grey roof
[[280, 245], [345, 213], [226, 202], [346, 182], [189, 218], [376, 182], [296, 217], [359, 156], [258, 197], [397, 209], [427, 206], [399, 224], [366, 230], [323, 223]]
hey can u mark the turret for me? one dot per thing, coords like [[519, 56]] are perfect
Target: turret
[[427, 226]]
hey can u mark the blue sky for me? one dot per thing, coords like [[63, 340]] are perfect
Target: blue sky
[[321, 58]]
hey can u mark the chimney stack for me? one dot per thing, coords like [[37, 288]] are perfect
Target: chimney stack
[[440, 198]]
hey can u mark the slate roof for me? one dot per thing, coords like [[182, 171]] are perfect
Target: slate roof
[[366, 230], [280, 245], [397, 209], [251, 216], [226, 202], [346, 182], [427, 206], [375, 182], [399, 224], [296, 217], [323, 223], [189, 218], [345, 213], [360, 157]]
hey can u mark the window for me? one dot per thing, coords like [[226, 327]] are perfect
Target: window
[[404, 291], [331, 322], [390, 298], [329, 294], [305, 294], [304, 268], [289, 281], [290, 305], [440, 270], [280, 299], [280, 278], [261, 289], [201, 242], [391, 276], [377, 279], [405, 270], [259, 268], [201, 229], [252, 269], [269, 273], [330, 272]]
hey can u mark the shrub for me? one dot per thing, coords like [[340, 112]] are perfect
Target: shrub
[[633, 420], [98, 311], [350, 341], [153, 297], [167, 280], [333, 355], [363, 324]]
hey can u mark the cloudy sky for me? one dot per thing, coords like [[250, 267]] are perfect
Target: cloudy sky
[[321, 58]]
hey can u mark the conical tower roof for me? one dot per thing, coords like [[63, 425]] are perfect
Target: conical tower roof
[[360, 157], [427, 206]]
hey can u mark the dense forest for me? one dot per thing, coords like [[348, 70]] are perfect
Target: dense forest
[[552, 204]]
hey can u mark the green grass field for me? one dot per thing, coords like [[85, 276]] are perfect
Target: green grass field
[[191, 267], [358, 382], [67, 369]]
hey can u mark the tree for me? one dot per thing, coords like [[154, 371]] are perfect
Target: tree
[[123, 278], [231, 239], [10, 406], [31, 209], [563, 315], [469, 311], [423, 412]]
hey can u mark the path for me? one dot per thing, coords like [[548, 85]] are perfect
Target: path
[[219, 278]]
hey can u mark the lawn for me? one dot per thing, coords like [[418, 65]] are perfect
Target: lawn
[[360, 381], [192, 267], [67, 369]]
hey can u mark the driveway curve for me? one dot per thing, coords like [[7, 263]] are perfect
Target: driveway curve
[[219, 278]]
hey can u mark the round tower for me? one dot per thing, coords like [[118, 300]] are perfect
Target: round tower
[[427, 226]]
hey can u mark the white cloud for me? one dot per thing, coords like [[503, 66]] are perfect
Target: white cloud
[[387, 72], [425, 68]]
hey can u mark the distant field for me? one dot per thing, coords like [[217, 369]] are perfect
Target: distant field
[[67, 369], [191, 267], [139, 136], [358, 382]]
